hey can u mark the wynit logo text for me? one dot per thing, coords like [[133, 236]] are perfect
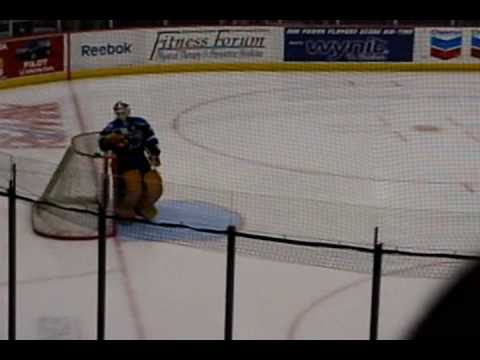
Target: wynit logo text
[[106, 49], [208, 40], [337, 49]]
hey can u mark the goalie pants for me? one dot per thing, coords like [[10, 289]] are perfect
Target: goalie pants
[[132, 161], [138, 191]]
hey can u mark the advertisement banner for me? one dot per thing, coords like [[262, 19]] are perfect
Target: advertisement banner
[[3, 57], [31, 56], [104, 49], [446, 44], [216, 45], [475, 44], [349, 44]]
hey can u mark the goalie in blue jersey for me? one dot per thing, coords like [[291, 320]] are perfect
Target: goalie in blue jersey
[[135, 145]]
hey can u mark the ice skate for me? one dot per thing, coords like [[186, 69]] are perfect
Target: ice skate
[[148, 213], [126, 215]]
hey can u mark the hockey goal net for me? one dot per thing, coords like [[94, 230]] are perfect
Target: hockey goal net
[[68, 206]]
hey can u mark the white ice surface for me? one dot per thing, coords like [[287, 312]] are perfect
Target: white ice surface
[[344, 138]]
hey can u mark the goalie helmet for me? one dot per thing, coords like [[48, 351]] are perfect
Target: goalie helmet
[[121, 110]]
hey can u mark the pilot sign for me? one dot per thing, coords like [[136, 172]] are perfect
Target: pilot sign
[[35, 55]]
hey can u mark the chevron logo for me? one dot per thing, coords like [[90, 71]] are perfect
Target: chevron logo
[[475, 49], [446, 45]]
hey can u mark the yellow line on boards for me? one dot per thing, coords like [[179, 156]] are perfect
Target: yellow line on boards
[[267, 67]]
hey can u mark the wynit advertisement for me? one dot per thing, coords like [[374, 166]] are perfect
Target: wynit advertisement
[[212, 45], [31, 56], [349, 44]]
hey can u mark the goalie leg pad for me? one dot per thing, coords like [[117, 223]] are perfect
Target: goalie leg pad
[[131, 194], [153, 190]]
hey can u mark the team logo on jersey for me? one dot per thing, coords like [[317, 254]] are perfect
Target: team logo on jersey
[[445, 44]]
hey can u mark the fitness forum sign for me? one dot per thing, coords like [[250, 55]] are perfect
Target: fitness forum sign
[[215, 45]]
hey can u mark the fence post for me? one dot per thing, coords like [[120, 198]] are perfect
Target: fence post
[[102, 254], [376, 280], [12, 254], [230, 282]]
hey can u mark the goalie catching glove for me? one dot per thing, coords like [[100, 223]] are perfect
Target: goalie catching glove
[[115, 141]]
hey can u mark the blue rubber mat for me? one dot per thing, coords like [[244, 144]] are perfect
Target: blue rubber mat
[[192, 213]]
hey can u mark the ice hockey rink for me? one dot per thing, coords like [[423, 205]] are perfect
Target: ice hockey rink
[[296, 137]]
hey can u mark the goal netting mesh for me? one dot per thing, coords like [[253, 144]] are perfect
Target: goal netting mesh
[[68, 206]]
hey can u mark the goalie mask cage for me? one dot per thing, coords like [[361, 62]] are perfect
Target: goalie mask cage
[[77, 183]]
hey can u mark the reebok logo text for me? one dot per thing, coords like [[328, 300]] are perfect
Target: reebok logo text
[[107, 49]]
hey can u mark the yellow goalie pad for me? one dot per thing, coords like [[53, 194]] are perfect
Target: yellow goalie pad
[[138, 194]]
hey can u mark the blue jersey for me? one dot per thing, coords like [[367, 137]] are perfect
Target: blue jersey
[[141, 138]]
